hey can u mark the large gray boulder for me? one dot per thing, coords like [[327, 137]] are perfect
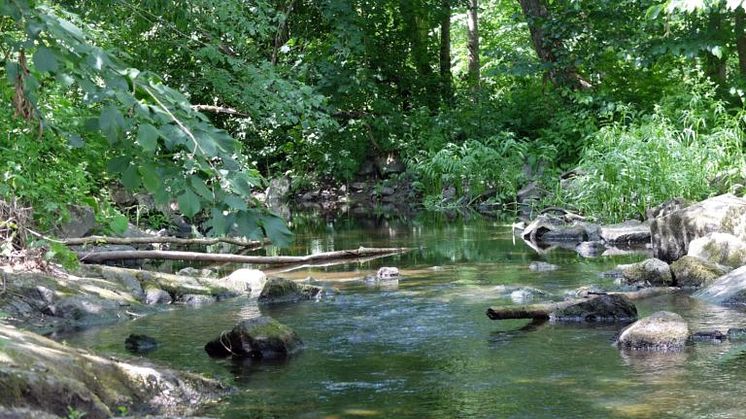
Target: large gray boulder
[[258, 338], [628, 232], [691, 271], [604, 308], [652, 272], [81, 222], [662, 331], [672, 233], [729, 289], [246, 280], [721, 248], [280, 290]]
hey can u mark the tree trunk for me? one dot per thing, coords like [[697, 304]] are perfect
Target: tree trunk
[[416, 27], [282, 34], [741, 40], [715, 66], [473, 44], [446, 77], [96, 257], [536, 13]]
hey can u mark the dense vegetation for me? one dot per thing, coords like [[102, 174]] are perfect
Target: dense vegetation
[[196, 101]]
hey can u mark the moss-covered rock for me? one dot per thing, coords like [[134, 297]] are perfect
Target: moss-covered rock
[[721, 248], [604, 308], [662, 331], [691, 271], [653, 272], [39, 374], [258, 338], [280, 290]]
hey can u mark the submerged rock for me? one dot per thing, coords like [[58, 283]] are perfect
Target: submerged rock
[[604, 308], [690, 271], [280, 290], [140, 343], [258, 338], [720, 248], [628, 232], [736, 333], [542, 267], [662, 331], [653, 272], [672, 233], [715, 336]]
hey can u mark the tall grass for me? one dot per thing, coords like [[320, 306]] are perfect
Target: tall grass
[[674, 152]]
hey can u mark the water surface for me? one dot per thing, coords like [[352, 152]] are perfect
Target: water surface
[[424, 347]]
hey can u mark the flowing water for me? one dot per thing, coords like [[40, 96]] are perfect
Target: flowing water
[[424, 347]]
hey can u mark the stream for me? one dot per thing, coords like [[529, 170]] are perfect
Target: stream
[[425, 348]]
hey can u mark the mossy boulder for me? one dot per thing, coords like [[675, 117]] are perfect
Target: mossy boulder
[[42, 375], [246, 280], [652, 272], [281, 290], [604, 308], [258, 338], [662, 331], [672, 233], [691, 271], [720, 248]]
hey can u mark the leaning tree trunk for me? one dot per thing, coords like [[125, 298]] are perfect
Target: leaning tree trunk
[[546, 47], [473, 43], [446, 77]]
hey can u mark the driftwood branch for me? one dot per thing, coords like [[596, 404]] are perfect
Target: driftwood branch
[[156, 239], [542, 311], [96, 257]]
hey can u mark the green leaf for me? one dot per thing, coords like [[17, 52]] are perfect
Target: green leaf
[[11, 70], [45, 60], [118, 165], [150, 178], [218, 223], [130, 178], [112, 123], [147, 137], [248, 225], [200, 187], [188, 203], [118, 224], [276, 230], [236, 202]]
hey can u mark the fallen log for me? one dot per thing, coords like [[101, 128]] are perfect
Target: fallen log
[[543, 311], [157, 240], [531, 311], [97, 257]]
